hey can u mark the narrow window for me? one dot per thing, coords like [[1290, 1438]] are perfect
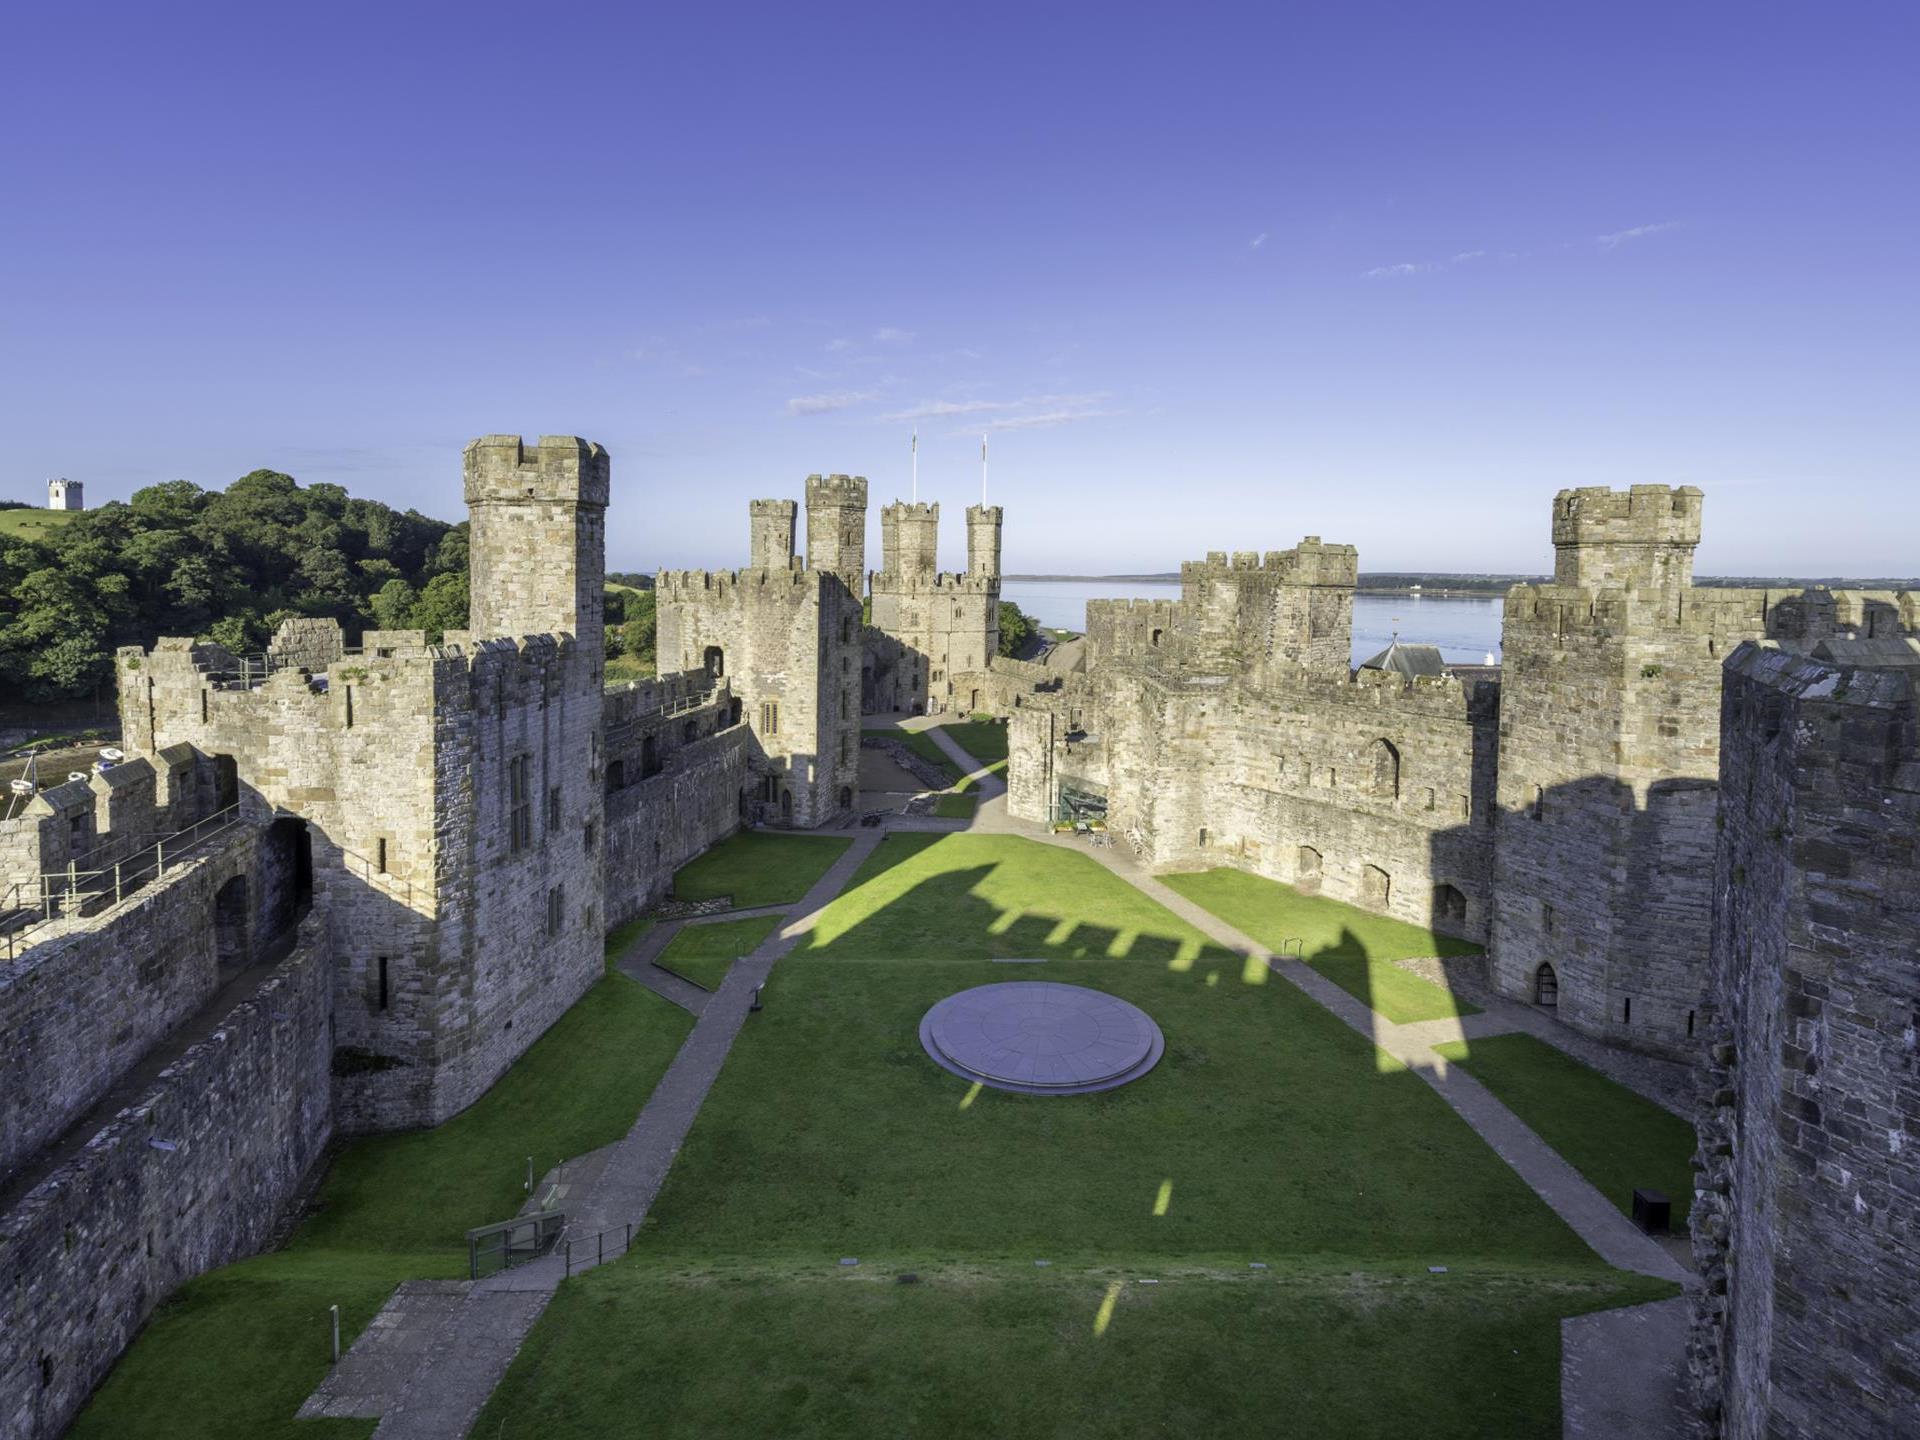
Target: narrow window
[[1626, 1011], [519, 803], [203, 707], [380, 854], [349, 707], [555, 905], [553, 808], [589, 834], [769, 717], [1546, 919], [1689, 1024], [1539, 806], [383, 982]]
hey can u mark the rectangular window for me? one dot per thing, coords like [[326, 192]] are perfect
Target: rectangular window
[[556, 903], [349, 690], [380, 854], [773, 789], [519, 803], [1546, 919], [383, 982], [769, 717], [1430, 799], [553, 808]]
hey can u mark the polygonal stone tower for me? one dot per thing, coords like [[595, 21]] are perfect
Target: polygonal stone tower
[[910, 540], [983, 540], [837, 527], [537, 547], [770, 542]]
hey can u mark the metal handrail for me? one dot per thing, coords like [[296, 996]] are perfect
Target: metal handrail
[[599, 1243], [49, 892]]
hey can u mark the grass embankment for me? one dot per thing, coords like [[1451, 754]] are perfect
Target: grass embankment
[[1354, 948], [704, 953], [234, 1354], [759, 867], [1269, 1132], [1617, 1139]]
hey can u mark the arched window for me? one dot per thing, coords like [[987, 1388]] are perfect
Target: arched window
[[1546, 986], [1153, 639], [846, 797], [1306, 868], [786, 805], [715, 662], [1376, 887], [1383, 771], [1449, 905]]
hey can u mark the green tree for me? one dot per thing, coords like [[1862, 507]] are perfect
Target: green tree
[[393, 605], [442, 606], [1016, 628]]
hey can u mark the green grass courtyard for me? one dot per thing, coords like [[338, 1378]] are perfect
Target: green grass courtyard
[[1269, 1135]]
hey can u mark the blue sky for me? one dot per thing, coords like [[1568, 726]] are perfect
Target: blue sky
[[1214, 276]]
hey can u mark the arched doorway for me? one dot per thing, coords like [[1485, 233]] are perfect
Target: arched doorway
[[1383, 771], [1546, 986], [1376, 887], [846, 797], [1306, 869], [1449, 905], [714, 662]]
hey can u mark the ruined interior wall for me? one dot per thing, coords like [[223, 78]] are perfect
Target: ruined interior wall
[[84, 1005], [656, 824], [1807, 1229], [190, 1177]]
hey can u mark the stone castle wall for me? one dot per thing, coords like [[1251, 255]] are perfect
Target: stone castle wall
[[1807, 1223], [84, 1005], [932, 634], [676, 768], [191, 1176]]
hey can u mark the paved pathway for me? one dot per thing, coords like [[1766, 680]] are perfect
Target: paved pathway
[[428, 1362], [1621, 1373]]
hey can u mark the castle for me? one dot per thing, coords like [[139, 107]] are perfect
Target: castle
[[1683, 818]]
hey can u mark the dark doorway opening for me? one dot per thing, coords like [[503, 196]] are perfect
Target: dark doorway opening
[[1546, 987]]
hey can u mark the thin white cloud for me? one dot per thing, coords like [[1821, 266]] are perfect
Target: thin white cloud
[[946, 409], [1387, 272], [1048, 418], [1466, 257], [1639, 232], [891, 335], [1257, 241], [827, 404]]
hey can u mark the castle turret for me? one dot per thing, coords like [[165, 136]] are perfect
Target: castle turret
[[910, 540], [983, 541], [1641, 540], [772, 523], [65, 495], [538, 543], [837, 527]]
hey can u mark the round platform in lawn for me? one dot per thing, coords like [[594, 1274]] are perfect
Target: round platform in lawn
[[1040, 1038]]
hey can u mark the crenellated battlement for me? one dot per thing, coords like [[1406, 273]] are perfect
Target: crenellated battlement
[[944, 582], [1643, 515], [706, 586], [920, 510], [504, 468]]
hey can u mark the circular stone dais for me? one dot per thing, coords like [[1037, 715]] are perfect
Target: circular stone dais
[[1041, 1038]]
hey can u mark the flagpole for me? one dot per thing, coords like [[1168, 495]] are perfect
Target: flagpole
[[916, 467], [983, 470]]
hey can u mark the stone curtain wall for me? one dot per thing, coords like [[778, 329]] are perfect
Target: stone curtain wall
[[932, 633], [190, 1177], [1807, 1227], [80, 1009], [656, 824]]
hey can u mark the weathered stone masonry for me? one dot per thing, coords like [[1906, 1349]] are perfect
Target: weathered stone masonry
[[1807, 1223]]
